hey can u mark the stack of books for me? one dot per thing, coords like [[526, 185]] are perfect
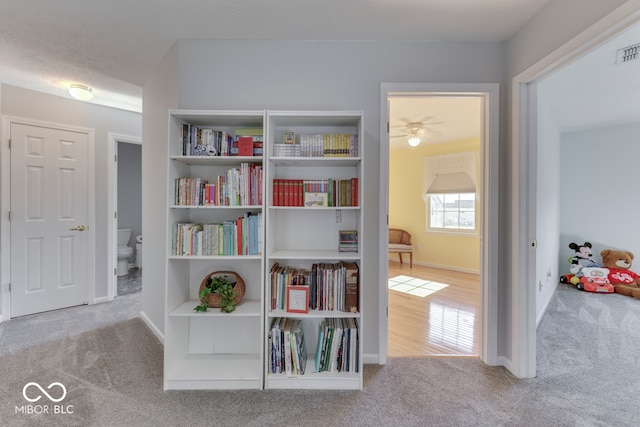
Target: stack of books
[[337, 348], [348, 241], [287, 349]]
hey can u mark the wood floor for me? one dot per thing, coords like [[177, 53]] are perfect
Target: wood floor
[[443, 323]]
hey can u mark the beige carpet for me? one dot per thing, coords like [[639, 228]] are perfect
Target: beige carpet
[[113, 377]]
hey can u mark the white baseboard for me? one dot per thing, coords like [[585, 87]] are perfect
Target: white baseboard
[[152, 327], [371, 359], [503, 361], [545, 307], [441, 266], [101, 300]]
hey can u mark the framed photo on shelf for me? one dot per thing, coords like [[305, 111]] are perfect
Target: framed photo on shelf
[[316, 199], [289, 138], [297, 299]]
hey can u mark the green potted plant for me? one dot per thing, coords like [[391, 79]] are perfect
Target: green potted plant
[[221, 286]]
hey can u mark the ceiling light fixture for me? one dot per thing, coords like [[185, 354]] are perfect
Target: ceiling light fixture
[[414, 141], [81, 92]]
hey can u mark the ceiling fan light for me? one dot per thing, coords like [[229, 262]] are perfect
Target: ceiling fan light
[[414, 141], [81, 92]]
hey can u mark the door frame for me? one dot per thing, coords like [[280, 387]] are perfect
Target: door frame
[[490, 93], [5, 201], [523, 177], [112, 206]]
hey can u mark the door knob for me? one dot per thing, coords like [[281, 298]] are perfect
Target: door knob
[[78, 228]]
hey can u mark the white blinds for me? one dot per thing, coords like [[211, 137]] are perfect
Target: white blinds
[[452, 173]]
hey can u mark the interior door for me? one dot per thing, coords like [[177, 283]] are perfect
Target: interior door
[[49, 213]]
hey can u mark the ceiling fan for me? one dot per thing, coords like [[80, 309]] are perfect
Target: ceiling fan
[[415, 131]]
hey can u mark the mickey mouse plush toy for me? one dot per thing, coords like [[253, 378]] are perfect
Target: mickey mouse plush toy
[[582, 258]]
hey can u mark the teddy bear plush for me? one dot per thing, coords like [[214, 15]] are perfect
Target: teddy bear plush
[[625, 281]]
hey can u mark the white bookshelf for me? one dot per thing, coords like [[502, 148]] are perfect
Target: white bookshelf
[[211, 350], [299, 236]]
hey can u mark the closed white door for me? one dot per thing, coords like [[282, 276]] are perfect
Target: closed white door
[[49, 213]]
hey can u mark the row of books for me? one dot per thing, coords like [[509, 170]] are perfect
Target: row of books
[[348, 241], [288, 354], [337, 348], [241, 236], [332, 286], [320, 145], [205, 141], [237, 187], [324, 192]]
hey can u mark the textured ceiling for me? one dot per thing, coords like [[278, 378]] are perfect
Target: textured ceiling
[[113, 46]]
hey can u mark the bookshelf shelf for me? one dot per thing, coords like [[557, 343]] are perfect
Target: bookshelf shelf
[[317, 314], [214, 350], [245, 308], [301, 237], [213, 160], [214, 257], [200, 372], [234, 207], [318, 208], [315, 161], [313, 254]]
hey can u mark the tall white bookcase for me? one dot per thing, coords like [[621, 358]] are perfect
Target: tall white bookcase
[[211, 350], [299, 236], [215, 350]]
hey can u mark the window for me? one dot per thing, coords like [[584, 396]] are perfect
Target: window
[[449, 189], [451, 211]]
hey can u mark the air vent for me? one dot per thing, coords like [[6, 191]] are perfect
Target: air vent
[[628, 54]]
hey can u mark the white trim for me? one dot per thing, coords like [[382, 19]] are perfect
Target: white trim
[[5, 189], [5, 224], [523, 327], [489, 189], [152, 327], [112, 206]]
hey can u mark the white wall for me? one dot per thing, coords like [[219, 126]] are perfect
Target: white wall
[[346, 75], [299, 75], [599, 182], [547, 209], [557, 23], [159, 95], [40, 106]]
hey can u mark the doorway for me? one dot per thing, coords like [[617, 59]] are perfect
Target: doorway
[[487, 187], [125, 201], [435, 143]]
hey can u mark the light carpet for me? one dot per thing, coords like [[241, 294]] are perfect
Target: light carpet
[[588, 360]]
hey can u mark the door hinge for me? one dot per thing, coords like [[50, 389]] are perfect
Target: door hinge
[[9, 215], [534, 244], [115, 214], [115, 271], [387, 127], [115, 158], [9, 143], [9, 287]]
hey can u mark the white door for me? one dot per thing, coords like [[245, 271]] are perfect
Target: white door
[[49, 213]]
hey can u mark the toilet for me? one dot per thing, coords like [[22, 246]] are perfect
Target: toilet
[[124, 251]]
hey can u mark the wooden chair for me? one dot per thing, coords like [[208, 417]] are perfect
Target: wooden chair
[[400, 243]]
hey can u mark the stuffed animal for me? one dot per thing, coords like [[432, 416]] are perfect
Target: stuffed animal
[[582, 258], [625, 281]]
